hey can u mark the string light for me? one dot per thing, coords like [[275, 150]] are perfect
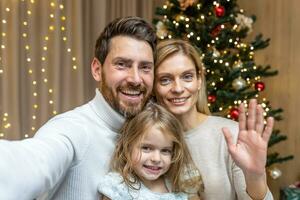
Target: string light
[[26, 41], [5, 125], [47, 37]]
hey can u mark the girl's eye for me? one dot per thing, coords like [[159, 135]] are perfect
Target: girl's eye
[[165, 81], [145, 149], [167, 151]]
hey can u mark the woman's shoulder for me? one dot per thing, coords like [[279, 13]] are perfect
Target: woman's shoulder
[[221, 121], [212, 127]]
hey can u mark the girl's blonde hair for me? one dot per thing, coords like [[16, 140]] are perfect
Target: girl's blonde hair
[[182, 174], [170, 47]]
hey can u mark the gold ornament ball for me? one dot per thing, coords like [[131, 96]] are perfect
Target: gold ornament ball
[[238, 83], [179, 17]]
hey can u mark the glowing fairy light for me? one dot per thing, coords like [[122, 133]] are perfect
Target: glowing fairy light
[[5, 125], [38, 76]]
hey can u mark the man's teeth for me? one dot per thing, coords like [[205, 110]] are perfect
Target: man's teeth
[[131, 92], [178, 100]]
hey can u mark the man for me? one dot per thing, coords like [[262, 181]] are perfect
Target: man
[[71, 152]]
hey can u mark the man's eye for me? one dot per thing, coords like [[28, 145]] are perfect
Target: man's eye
[[165, 81], [121, 64], [146, 68]]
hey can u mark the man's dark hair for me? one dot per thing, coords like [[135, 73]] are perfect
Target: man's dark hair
[[134, 27]]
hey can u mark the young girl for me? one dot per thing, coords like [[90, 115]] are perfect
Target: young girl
[[151, 161]]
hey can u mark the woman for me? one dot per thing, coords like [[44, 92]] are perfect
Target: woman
[[233, 167]]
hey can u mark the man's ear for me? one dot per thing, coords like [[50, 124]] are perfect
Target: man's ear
[[96, 69]]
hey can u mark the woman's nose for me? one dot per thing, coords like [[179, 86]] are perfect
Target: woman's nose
[[177, 87]]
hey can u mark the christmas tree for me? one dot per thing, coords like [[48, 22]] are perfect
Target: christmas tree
[[218, 29]]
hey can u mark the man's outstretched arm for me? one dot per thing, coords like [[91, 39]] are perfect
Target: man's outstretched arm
[[30, 167]]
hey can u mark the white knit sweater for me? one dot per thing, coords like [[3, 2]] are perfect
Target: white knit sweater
[[66, 158]]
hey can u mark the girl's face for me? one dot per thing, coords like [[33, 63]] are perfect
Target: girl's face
[[152, 156], [176, 85]]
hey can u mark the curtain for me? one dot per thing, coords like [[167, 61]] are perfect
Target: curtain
[[45, 54]]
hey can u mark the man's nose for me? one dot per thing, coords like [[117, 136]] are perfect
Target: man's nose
[[134, 76]]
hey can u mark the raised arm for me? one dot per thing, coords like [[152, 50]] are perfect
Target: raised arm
[[250, 151]]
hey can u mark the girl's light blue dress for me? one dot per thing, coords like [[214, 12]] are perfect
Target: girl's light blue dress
[[113, 187]]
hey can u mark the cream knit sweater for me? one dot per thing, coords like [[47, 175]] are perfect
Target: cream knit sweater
[[222, 178]]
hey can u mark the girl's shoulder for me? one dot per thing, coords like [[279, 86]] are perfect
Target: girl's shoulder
[[112, 186], [111, 178]]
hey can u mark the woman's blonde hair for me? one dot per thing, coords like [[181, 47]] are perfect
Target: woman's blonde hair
[[170, 47], [182, 174]]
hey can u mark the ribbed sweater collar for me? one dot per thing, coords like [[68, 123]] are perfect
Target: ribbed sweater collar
[[106, 113]]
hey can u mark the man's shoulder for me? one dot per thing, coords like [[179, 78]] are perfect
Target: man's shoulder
[[70, 121], [78, 114]]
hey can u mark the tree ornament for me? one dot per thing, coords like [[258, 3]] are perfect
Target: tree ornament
[[212, 98], [186, 3], [259, 86], [234, 113], [179, 17], [215, 32], [244, 22], [216, 53], [238, 83], [275, 172], [219, 11], [237, 64], [161, 30]]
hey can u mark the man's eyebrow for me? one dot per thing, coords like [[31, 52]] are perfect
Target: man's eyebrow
[[147, 63], [121, 58]]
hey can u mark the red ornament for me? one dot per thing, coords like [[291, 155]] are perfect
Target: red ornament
[[219, 11], [234, 113], [216, 31], [211, 98], [259, 86]]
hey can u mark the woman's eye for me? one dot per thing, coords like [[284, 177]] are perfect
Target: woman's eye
[[188, 77], [165, 81]]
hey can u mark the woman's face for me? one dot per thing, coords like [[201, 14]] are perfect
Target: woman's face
[[177, 84]]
